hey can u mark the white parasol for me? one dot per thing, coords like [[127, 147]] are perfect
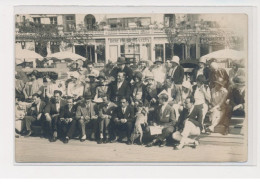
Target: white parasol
[[65, 55]]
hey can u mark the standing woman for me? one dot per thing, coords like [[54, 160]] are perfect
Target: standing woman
[[202, 96], [137, 88]]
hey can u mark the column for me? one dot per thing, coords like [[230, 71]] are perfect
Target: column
[[152, 49], [95, 48], [197, 48], [106, 50], [210, 48], [164, 52]]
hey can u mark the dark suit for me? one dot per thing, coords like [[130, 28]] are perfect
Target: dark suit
[[206, 73], [178, 75], [32, 114], [195, 117], [115, 93], [67, 129], [167, 119], [51, 109], [128, 115], [87, 115], [127, 70], [215, 75]]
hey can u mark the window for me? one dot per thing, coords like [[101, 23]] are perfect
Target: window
[[101, 53], [53, 20], [55, 47], [37, 20], [70, 23]]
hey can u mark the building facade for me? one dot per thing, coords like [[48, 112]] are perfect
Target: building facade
[[103, 38]]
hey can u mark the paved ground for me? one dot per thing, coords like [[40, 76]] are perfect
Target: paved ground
[[213, 148]]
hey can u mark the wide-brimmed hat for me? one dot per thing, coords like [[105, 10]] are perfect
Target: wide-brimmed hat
[[121, 60], [149, 75], [239, 80], [158, 59], [175, 59], [102, 75], [138, 74]]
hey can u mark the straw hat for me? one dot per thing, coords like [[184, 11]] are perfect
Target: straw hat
[[175, 59]]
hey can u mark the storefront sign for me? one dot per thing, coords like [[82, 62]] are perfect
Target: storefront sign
[[129, 40]]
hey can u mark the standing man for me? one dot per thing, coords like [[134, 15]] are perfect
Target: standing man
[[35, 115], [119, 88], [86, 115], [67, 123], [90, 70], [90, 86], [202, 69], [123, 118], [121, 67], [189, 124], [165, 117], [176, 73], [52, 111], [159, 70]]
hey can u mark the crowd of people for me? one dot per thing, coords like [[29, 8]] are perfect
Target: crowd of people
[[129, 101]]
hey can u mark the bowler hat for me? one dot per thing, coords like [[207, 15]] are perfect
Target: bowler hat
[[121, 60]]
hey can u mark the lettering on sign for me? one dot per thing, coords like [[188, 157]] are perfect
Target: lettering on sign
[[128, 40]]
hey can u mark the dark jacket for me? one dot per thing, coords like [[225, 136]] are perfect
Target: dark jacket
[[129, 113], [115, 94], [215, 75], [33, 110], [104, 109], [51, 107], [195, 117], [178, 75], [66, 113], [165, 118], [151, 92], [206, 72], [128, 73], [236, 97]]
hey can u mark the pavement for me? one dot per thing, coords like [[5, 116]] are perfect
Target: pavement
[[213, 148]]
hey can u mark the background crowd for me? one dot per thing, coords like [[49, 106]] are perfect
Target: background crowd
[[130, 100]]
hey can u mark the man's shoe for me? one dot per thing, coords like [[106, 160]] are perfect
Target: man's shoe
[[163, 143], [150, 144], [106, 140], [114, 140], [179, 147], [66, 140], [129, 142], [100, 141], [53, 139], [27, 133], [83, 138]]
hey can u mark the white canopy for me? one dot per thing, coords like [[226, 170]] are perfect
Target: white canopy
[[24, 54], [66, 54], [225, 54]]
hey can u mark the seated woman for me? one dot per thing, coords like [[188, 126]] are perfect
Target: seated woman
[[137, 88], [218, 104]]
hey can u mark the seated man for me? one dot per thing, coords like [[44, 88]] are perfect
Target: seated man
[[105, 111], [52, 111], [75, 86], [189, 124], [123, 118], [67, 122], [86, 114], [165, 117], [35, 115]]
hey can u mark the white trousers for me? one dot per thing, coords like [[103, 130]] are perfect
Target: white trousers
[[189, 130], [216, 116]]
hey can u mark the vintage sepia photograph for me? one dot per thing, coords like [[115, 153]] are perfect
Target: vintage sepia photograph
[[131, 88]]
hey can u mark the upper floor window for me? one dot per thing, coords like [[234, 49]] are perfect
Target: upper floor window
[[70, 23], [53, 20], [37, 20]]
